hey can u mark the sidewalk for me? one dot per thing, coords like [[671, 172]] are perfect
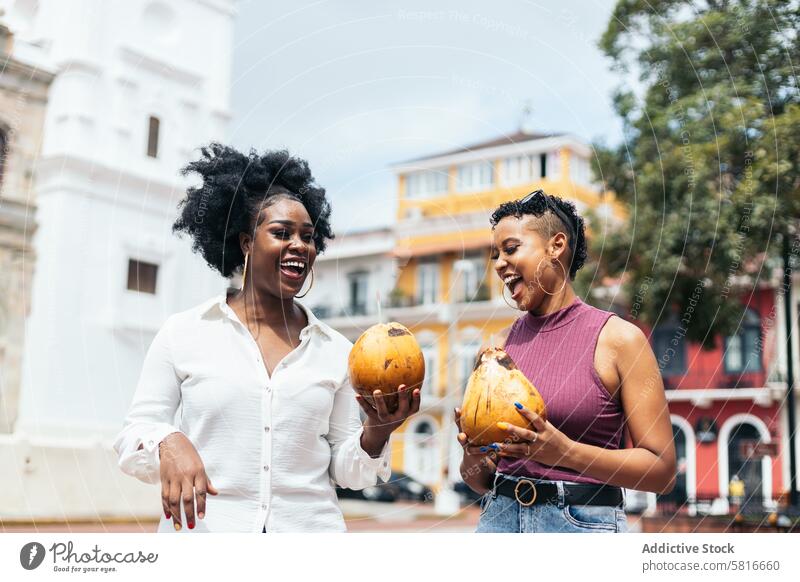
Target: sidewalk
[[360, 516]]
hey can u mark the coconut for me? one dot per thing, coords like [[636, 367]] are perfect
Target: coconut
[[384, 357], [494, 386]]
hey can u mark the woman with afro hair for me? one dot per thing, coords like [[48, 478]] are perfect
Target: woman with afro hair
[[268, 421], [597, 375]]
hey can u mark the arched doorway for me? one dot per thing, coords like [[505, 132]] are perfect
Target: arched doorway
[[749, 469], [684, 490], [731, 457], [421, 451]]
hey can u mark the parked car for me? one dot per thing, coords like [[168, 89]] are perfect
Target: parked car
[[399, 486], [408, 488]]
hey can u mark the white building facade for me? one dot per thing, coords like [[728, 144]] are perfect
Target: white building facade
[[138, 86]]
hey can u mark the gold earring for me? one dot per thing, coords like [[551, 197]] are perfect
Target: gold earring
[[539, 283], [309, 287], [244, 271]]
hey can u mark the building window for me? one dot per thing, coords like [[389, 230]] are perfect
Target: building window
[[543, 165], [428, 283], [358, 291], [519, 170], [471, 271], [152, 136], [743, 350], [467, 358], [427, 183], [430, 383], [474, 177], [579, 170], [553, 165], [142, 276], [670, 349]]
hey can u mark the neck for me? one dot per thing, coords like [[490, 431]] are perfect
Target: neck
[[265, 308], [552, 303]]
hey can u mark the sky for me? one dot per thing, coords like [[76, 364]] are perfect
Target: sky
[[354, 87]]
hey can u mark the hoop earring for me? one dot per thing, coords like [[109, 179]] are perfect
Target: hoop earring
[[244, 271], [539, 283], [309, 287]]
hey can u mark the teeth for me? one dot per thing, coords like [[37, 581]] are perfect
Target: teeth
[[511, 278], [297, 264]]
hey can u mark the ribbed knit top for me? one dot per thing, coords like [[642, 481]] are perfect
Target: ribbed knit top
[[556, 353]]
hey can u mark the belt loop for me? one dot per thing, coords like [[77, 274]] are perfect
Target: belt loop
[[494, 484], [560, 489]]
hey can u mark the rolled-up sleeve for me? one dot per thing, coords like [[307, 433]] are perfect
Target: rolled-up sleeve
[[351, 466], [152, 413]]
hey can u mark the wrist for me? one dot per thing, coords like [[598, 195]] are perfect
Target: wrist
[[573, 455], [376, 433], [373, 441]]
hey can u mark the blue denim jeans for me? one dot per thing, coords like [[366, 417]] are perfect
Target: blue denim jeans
[[500, 514]]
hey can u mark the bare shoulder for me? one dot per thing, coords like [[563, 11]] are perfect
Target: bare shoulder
[[496, 340], [622, 335]]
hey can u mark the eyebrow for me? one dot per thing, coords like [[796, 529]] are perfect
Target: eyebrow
[[290, 223]]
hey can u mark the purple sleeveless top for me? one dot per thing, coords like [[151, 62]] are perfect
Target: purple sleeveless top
[[556, 353]]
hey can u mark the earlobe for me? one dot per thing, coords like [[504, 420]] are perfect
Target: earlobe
[[246, 243]]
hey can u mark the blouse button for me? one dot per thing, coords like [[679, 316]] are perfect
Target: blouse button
[[266, 467], [266, 429]]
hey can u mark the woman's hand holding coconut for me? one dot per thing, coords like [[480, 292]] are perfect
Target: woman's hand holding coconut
[[542, 442], [380, 423], [387, 369]]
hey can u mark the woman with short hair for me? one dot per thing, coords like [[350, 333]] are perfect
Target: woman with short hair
[[597, 375]]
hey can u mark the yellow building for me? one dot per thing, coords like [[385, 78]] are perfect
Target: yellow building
[[446, 291], [433, 273]]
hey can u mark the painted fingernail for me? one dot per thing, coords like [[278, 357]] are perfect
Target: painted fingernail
[[494, 446], [177, 526], [167, 515], [518, 405], [502, 425], [201, 515], [191, 525], [484, 449]]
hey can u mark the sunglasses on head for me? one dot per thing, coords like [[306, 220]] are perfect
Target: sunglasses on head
[[558, 212]]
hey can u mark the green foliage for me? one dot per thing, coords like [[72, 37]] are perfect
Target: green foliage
[[709, 165]]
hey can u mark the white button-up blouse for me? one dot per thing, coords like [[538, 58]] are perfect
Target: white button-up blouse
[[272, 446]]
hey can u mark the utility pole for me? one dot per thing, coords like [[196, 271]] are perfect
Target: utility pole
[[790, 400]]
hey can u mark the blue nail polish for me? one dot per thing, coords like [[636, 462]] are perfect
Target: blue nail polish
[[484, 449], [518, 405], [495, 446]]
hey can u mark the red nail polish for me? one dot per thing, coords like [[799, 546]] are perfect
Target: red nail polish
[[167, 515], [191, 525]]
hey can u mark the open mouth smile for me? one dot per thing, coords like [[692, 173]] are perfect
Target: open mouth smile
[[515, 284], [293, 270]]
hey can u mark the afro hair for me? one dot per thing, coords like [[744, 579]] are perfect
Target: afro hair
[[235, 187]]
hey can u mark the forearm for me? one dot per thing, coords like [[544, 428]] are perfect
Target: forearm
[[373, 441], [635, 468]]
